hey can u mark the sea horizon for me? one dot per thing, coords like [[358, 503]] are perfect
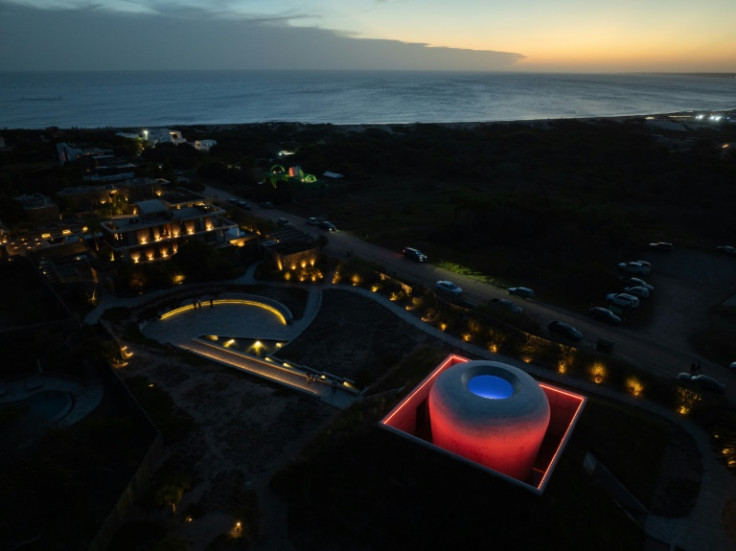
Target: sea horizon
[[150, 98]]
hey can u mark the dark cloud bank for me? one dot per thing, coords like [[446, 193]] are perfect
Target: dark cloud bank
[[94, 39]]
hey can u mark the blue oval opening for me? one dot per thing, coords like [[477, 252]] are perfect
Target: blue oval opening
[[490, 386]]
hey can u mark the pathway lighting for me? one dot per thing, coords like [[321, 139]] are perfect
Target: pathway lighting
[[598, 372], [634, 387]]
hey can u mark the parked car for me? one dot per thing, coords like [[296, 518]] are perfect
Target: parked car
[[449, 287], [510, 304], [727, 249], [627, 280], [267, 204], [327, 226], [414, 254], [733, 366], [566, 330], [312, 221], [704, 382], [604, 314], [524, 292], [637, 291], [623, 300], [636, 267], [283, 222], [661, 246], [243, 205]]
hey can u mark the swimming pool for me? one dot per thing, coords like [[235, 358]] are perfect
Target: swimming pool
[[45, 407]]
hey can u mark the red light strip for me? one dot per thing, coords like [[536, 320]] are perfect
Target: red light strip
[[451, 360], [563, 441]]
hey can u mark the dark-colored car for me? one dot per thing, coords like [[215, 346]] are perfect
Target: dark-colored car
[[566, 330], [524, 292], [633, 281], [448, 287], [603, 314], [414, 254], [703, 382], [665, 246], [510, 304], [267, 204], [327, 226]]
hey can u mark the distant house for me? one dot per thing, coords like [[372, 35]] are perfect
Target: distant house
[[204, 145], [69, 153], [164, 135], [129, 135], [156, 229], [113, 171]]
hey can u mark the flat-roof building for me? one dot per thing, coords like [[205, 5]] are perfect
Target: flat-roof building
[[156, 229]]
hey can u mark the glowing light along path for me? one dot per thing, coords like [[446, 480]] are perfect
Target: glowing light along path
[[181, 309], [490, 387]]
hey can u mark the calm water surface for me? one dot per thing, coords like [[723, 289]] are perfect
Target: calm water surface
[[134, 99]]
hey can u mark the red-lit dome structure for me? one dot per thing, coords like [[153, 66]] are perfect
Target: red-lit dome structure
[[491, 413]]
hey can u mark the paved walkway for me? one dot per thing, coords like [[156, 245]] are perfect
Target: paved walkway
[[251, 323]]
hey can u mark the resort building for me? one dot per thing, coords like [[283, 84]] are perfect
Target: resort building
[[39, 209], [290, 249], [157, 228], [84, 198]]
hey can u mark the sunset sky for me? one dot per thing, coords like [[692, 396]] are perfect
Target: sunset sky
[[511, 35]]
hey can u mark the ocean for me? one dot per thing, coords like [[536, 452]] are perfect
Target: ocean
[[137, 99]]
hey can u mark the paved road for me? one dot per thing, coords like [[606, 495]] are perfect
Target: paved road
[[661, 348]]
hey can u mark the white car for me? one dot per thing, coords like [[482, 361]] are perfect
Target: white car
[[637, 291], [624, 300], [636, 267], [449, 287]]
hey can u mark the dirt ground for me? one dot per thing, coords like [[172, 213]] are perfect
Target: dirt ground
[[245, 430]]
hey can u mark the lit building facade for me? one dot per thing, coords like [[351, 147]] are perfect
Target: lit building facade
[[156, 229]]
